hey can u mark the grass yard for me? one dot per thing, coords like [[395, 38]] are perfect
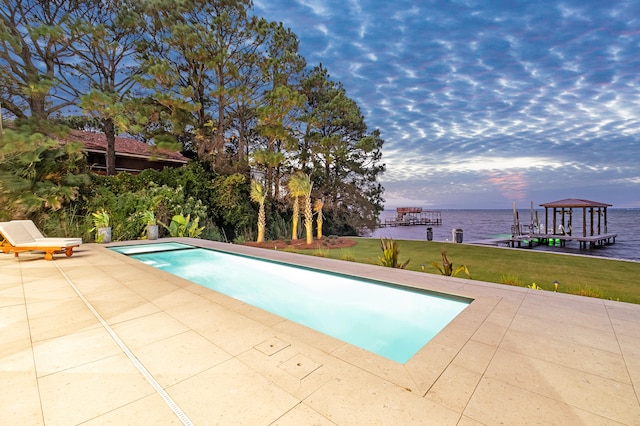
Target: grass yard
[[587, 276]]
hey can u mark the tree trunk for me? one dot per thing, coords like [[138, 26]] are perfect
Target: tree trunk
[[219, 136], [110, 156], [261, 223], [308, 218], [276, 183], [295, 219], [240, 155]]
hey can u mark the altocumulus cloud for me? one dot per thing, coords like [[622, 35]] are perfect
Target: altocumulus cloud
[[482, 103]]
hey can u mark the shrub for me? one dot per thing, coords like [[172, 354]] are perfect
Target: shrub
[[390, 253], [447, 267], [182, 226], [38, 176]]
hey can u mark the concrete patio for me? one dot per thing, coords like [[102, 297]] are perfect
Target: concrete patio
[[99, 338]]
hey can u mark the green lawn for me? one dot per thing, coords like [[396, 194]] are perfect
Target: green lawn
[[596, 277]]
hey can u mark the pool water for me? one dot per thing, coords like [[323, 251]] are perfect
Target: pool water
[[390, 321]]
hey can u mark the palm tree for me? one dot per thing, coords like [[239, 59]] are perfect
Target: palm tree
[[306, 186], [258, 196], [296, 190], [317, 207]]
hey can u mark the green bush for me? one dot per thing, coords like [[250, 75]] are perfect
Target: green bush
[[390, 251], [129, 197], [278, 227], [38, 176], [182, 226], [447, 267]]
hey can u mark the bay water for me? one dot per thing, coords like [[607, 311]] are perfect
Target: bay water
[[477, 225]]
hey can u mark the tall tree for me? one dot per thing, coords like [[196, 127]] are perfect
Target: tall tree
[[273, 126], [282, 103], [196, 50], [243, 117], [35, 49], [343, 158], [106, 37], [282, 64]]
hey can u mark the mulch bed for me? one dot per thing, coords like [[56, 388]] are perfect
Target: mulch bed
[[301, 244]]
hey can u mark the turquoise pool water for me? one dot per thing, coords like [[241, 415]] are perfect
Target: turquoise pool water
[[390, 321]]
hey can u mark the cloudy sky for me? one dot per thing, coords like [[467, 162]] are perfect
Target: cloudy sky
[[486, 102]]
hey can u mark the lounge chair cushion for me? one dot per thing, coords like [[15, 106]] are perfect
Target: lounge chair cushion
[[35, 233], [16, 234]]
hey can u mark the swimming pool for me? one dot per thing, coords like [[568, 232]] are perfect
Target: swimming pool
[[387, 320]]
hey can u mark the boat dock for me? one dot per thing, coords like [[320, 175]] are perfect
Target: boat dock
[[594, 226], [549, 239], [561, 240], [411, 216]]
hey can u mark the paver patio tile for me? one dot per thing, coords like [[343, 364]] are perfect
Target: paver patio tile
[[604, 397], [302, 414], [19, 398], [497, 402], [607, 364], [72, 350], [150, 410], [231, 393], [82, 393], [454, 387], [180, 357], [148, 329], [360, 398]]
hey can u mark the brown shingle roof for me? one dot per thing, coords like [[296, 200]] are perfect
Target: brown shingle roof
[[97, 142]]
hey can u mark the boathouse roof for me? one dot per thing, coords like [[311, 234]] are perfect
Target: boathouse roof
[[575, 202]]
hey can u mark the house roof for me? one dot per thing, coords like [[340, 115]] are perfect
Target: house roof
[[575, 202], [125, 147]]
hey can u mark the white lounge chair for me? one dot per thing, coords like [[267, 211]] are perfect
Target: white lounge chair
[[35, 233], [18, 239]]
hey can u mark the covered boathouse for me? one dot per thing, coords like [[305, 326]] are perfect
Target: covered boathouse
[[594, 221]]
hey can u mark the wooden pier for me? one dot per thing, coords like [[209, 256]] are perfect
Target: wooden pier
[[412, 216], [557, 240], [561, 240], [594, 226]]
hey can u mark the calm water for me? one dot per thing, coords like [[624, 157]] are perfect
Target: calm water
[[487, 224], [386, 320]]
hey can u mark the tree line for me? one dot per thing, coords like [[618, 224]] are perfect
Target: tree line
[[228, 88]]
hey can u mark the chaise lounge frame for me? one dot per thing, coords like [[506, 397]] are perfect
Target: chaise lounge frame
[[18, 238]]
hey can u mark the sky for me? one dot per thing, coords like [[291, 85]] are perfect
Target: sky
[[482, 103]]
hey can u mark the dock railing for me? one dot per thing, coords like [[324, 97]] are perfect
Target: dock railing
[[412, 216]]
